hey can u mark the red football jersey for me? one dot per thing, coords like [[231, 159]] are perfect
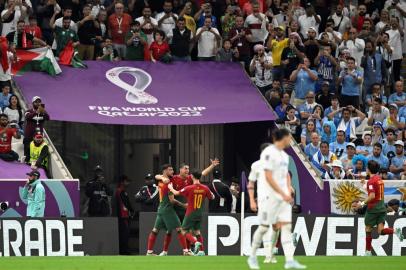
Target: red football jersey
[[195, 195], [179, 183], [375, 185], [5, 140]]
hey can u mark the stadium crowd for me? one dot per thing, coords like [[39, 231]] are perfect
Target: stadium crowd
[[331, 70]]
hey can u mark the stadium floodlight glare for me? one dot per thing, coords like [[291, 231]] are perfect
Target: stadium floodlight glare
[[3, 206]]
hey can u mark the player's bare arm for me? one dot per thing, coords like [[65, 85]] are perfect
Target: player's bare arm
[[214, 163], [251, 194], [275, 186], [160, 177], [366, 201], [174, 191], [175, 201]]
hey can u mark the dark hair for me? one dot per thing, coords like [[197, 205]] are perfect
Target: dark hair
[[196, 174], [351, 58], [21, 21], [20, 111], [182, 19], [343, 131], [280, 134], [183, 164], [345, 109], [168, 1], [375, 84], [65, 18], [373, 166], [224, 41], [334, 96], [208, 17], [390, 130], [3, 115], [160, 32], [378, 145], [31, 17], [67, 7], [324, 142], [263, 146], [322, 110], [379, 100], [290, 107], [166, 166], [123, 178]]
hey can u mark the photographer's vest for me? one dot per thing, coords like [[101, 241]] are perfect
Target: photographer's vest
[[180, 43], [35, 152]]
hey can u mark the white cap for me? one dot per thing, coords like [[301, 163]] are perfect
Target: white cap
[[336, 163], [351, 144], [399, 142], [36, 98]]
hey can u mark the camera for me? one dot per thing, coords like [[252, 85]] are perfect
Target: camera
[[4, 206]]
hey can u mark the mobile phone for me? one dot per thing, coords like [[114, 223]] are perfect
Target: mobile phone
[[42, 105]]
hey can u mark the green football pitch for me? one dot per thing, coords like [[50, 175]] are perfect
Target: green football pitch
[[192, 263]]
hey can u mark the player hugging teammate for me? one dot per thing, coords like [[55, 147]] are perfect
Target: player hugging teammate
[[376, 210], [172, 208]]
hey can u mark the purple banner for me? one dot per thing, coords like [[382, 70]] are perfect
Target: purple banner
[[144, 93], [16, 170], [62, 198]]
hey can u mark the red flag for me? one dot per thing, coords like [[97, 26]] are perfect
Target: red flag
[[3, 54], [66, 55]]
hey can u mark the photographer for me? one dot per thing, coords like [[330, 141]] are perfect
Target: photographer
[[35, 119], [240, 38], [88, 29], [208, 41], [261, 66], [350, 80], [34, 193], [15, 10], [7, 132], [167, 20], [108, 53], [136, 42], [98, 193]]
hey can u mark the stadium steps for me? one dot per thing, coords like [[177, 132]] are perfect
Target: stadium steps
[[57, 165]]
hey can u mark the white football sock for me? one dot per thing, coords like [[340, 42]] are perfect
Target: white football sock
[[287, 243], [267, 240], [257, 239]]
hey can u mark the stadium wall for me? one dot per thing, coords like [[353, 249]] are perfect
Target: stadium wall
[[316, 235]]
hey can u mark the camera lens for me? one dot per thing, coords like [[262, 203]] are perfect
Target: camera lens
[[3, 206]]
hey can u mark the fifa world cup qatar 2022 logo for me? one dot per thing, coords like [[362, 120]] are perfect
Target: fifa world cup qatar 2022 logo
[[135, 93]]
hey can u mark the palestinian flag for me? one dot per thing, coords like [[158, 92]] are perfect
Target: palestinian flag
[[69, 57], [38, 59]]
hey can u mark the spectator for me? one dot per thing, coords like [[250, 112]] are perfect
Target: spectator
[[159, 49], [359, 170], [399, 97], [241, 37], [223, 198], [312, 46], [45, 10], [305, 137], [7, 52], [187, 14], [313, 147], [98, 193], [119, 24], [108, 52], [235, 192], [226, 53], [34, 193], [350, 82], [366, 148], [39, 154], [66, 12], [347, 122], [19, 37], [377, 113], [354, 44], [261, 66], [15, 113], [403, 174], [125, 211], [378, 134], [294, 28], [318, 115], [393, 121], [273, 96], [368, 32], [310, 19], [341, 22], [228, 20], [384, 22], [376, 93], [395, 42], [385, 174], [323, 158], [398, 160], [335, 171], [388, 147], [208, 39], [148, 195], [136, 42], [291, 122], [64, 35], [385, 50], [334, 37], [324, 98], [167, 20], [374, 68], [282, 15], [257, 22], [305, 81], [181, 41], [88, 29], [33, 29], [326, 69], [248, 7], [378, 156], [306, 109], [347, 158], [358, 19], [4, 97], [335, 107], [292, 56], [204, 12], [276, 44], [328, 132], [339, 147], [11, 14], [280, 110], [6, 134], [35, 119]]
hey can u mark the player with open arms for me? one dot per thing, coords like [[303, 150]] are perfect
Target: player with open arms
[[166, 218], [180, 181], [274, 199], [195, 195], [376, 211]]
